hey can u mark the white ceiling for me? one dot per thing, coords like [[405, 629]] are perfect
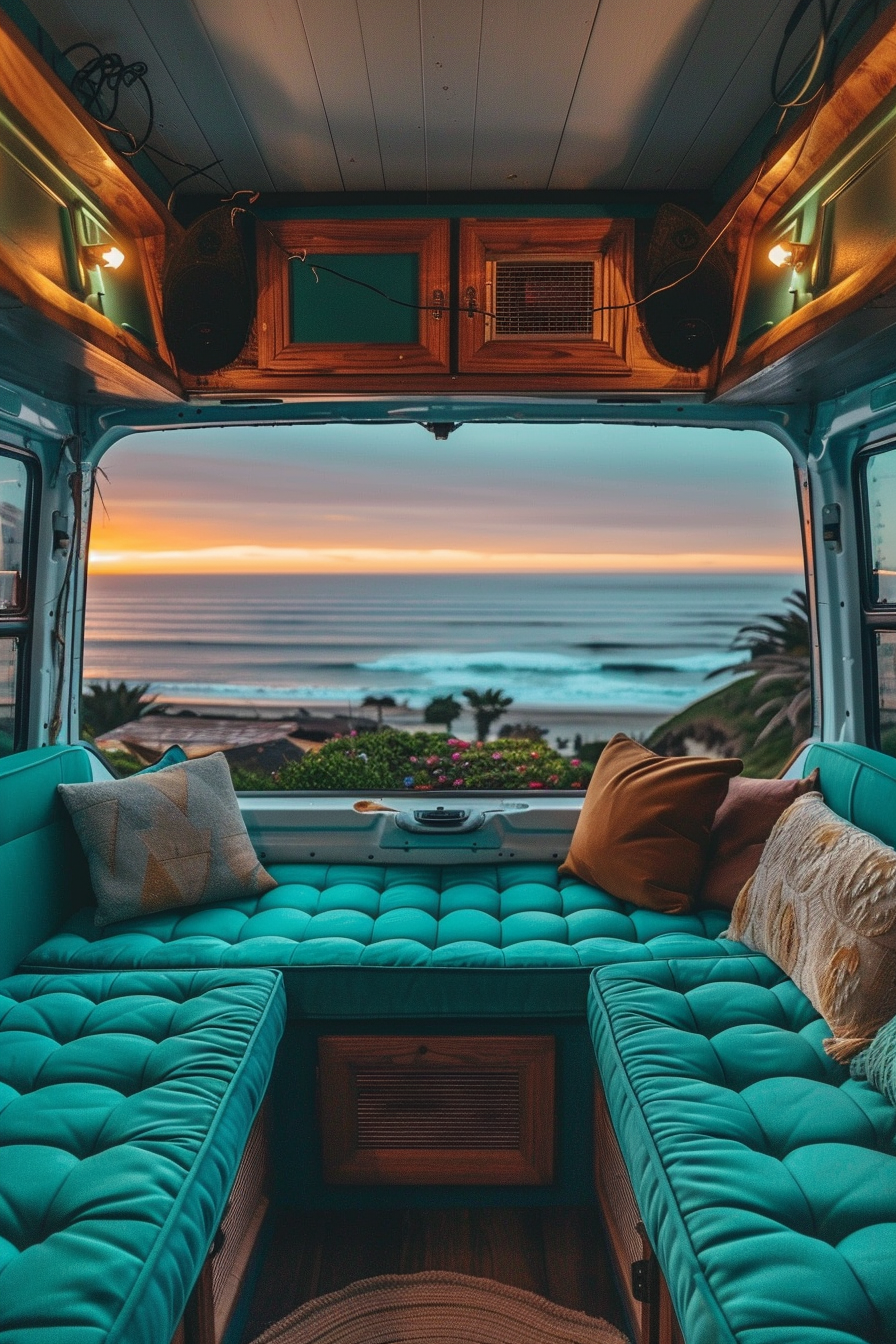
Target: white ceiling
[[442, 95]]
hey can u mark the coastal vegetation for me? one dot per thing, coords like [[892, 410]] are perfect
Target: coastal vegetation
[[104, 706], [421, 761]]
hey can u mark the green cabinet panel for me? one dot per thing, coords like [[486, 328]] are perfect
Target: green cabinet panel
[[30, 218], [327, 309]]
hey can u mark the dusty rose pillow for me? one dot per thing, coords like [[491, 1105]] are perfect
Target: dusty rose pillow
[[741, 827]]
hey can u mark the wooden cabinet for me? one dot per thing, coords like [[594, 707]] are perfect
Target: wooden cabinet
[[546, 296], [641, 1284], [437, 1110], [353, 296]]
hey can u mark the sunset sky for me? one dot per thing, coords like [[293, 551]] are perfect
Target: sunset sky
[[340, 498]]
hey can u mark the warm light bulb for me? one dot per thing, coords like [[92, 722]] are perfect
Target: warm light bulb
[[103, 254], [790, 254], [780, 256]]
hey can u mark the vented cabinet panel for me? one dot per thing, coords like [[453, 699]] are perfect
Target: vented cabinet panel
[[651, 1313], [445, 1110], [546, 296]]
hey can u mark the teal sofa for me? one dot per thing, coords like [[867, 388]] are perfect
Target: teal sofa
[[125, 1104], [353, 941], [765, 1175]]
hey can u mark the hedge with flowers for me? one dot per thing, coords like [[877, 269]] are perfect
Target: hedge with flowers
[[390, 759]]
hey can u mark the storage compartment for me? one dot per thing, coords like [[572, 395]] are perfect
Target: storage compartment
[[346, 296], [542, 295], [638, 1275], [217, 1290], [437, 1110]]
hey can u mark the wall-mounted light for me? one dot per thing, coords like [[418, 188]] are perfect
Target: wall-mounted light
[[794, 255], [102, 254]]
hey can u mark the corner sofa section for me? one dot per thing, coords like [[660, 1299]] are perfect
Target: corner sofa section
[[125, 1103]]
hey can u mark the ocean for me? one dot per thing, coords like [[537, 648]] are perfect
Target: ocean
[[573, 646]]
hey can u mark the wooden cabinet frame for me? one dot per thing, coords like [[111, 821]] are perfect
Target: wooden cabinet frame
[[278, 240], [344, 1060], [607, 242]]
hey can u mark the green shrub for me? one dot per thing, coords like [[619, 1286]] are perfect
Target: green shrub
[[390, 759]]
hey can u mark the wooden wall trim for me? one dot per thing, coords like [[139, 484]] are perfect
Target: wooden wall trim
[[44, 104], [864, 78]]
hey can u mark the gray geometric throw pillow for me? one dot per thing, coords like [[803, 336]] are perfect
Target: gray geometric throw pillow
[[172, 838]]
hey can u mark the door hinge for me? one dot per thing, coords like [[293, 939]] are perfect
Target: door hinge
[[641, 1278]]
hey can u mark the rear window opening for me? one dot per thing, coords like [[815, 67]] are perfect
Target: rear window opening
[[368, 609]]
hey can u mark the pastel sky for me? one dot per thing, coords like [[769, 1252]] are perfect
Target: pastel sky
[[342, 498]]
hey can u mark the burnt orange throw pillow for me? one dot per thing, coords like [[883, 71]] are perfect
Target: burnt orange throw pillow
[[643, 832], [743, 823]]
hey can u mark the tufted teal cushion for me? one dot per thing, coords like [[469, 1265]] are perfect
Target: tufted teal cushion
[[765, 1175], [326, 925], [125, 1103]]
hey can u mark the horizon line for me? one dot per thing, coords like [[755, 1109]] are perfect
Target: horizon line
[[237, 560]]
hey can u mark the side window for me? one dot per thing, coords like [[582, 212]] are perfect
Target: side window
[[15, 600], [880, 588]]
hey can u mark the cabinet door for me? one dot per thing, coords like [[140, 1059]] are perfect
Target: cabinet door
[[545, 296], [349, 296]]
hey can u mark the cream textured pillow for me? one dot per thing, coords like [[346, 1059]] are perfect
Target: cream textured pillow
[[175, 837], [822, 905]]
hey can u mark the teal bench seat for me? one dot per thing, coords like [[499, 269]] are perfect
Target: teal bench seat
[[125, 1104], [765, 1175], [494, 940]]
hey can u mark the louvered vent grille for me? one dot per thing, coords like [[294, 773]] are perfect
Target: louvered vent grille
[[248, 1189], [618, 1201], [445, 1108], [544, 298]]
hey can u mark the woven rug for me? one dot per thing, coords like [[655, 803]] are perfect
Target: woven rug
[[437, 1308]]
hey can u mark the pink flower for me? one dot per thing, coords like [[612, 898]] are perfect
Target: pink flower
[[497, 755], [353, 733], [458, 783], [433, 760], [455, 755], [413, 759], [535, 784], [576, 784], [441, 779], [575, 761], [452, 741]]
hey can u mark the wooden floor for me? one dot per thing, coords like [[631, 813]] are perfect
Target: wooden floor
[[557, 1252]]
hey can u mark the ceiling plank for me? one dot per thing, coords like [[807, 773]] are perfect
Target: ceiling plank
[[185, 52], [268, 65], [699, 87], [391, 35], [450, 42], [745, 101], [634, 53], [517, 136], [100, 22], [333, 29]]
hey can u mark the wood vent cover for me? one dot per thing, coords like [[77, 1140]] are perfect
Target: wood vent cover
[[445, 1110]]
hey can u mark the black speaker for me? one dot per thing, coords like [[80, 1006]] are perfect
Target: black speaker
[[208, 294], [688, 323]]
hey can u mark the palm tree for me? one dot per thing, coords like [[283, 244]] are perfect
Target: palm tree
[[780, 653], [104, 706], [487, 706], [444, 709], [379, 703]]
